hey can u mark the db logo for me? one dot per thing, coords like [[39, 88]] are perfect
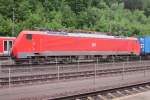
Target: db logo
[[93, 44]]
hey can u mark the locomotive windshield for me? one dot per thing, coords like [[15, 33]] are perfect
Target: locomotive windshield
[[29, 36]]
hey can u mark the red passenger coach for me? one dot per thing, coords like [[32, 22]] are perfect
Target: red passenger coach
[[54, 44], [5, 45]]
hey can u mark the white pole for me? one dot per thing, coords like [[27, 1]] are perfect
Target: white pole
[[140, 59], [127, 60], [145, 66], [0, 68], [58, 72], [145, 71], [94, 74], [78, 65], [113, 59], [56, 61], [30, 64], [97, 61], [9, 77], [123, 71], [57, 67], [70, 59]]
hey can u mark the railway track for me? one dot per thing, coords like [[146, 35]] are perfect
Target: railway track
[[110, 94], [75, 67], [5, 57], [47, 77], [68, 64]]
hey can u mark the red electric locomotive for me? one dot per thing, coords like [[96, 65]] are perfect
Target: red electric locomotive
[[5, 45], [43, 44]]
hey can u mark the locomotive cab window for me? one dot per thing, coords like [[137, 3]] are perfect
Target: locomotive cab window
[[29, 36]]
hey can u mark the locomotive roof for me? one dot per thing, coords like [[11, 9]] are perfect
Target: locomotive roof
[[79, 34]]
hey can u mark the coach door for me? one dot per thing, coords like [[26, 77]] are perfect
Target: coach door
[[7, 45]]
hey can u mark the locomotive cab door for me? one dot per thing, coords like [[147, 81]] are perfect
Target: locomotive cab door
[[7, 45]]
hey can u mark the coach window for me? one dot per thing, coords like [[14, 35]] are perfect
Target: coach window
[[10, 45], [29, 36], [5, 45]]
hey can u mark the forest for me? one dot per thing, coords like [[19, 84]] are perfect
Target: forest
[[119, 17]]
